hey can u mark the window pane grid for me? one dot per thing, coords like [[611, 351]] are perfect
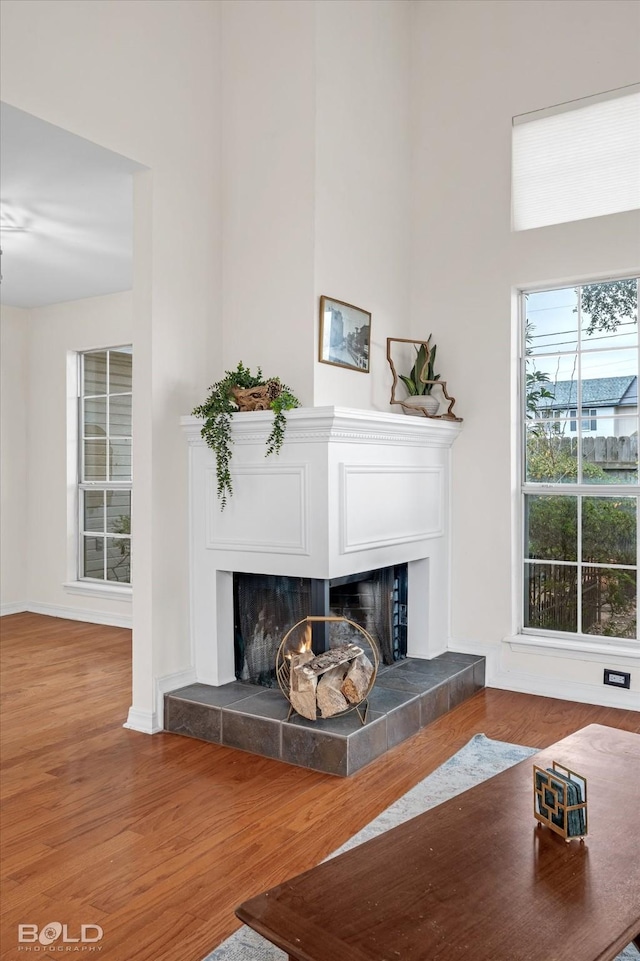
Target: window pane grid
[[105, 449], [106, 439], [106, 534], [579, 374]]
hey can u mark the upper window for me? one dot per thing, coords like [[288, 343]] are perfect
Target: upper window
[[577, 160], [105, 465], [580, 458]]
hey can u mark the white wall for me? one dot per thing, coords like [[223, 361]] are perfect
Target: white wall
[[143, 79], [316, 160], [477, 63], [363, 154], [56, 334], [268, 189], [14, 385]]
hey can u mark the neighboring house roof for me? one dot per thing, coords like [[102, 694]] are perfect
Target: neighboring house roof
[[597, 392]]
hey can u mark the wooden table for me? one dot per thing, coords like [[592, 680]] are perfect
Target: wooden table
[[475, 879]]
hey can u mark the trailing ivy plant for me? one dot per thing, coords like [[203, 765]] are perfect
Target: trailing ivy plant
[[218, 408]]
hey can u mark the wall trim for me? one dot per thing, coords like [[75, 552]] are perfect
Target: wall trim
[[350, 499], [490, 653], [145, 722], [152, 722], [171, 682], [524, 682], [79, 614], [580, 647], [565, 690], [241, 537], [324, 424], [13, 607], [101, 591]]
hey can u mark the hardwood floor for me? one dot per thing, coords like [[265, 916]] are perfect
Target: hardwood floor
[[156, 839]]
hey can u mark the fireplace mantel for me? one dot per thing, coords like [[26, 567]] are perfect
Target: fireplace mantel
[[322, 424], [350, 491]]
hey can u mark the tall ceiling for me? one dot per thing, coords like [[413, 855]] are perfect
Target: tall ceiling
[[66, 214]]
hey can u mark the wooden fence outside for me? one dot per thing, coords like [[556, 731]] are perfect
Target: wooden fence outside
[[609, 453], [553, 596]]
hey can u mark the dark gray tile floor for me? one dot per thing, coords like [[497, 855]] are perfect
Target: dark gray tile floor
[[407, 696]]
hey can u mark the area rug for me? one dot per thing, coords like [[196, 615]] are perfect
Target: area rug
[[478, 760]]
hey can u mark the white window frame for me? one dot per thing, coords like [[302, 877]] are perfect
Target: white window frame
[[535, 639], [80, 583]]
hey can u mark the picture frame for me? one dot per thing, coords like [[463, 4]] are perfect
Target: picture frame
[[345, 335]]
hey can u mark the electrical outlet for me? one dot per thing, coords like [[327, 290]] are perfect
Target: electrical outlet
[[617, 678]]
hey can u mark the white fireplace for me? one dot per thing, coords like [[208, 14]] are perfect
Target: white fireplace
[[350, 491]]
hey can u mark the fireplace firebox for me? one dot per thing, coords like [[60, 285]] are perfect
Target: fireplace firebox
[[265, 607]]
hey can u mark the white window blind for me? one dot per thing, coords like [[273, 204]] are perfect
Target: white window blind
[[577, 160]]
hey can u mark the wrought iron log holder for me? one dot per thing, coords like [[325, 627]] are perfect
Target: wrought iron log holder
[[286, 649]]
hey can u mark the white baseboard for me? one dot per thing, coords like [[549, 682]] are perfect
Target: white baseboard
[[488, 651], [15, 608], [145, 722], [70, 613], [600, 695], [153, 723], [525, 682], [171, 682]]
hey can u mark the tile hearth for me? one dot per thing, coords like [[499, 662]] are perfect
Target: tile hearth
[[406, 697]]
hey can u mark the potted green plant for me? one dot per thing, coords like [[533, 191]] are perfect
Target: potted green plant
[[421, 379], [240, 390]]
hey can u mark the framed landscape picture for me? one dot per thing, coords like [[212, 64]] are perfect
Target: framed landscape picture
[[345, 335]]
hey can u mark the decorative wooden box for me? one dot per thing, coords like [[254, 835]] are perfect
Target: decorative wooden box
[[560, 800]]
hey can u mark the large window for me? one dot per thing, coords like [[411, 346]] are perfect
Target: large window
[[105, 465], [580, 459]]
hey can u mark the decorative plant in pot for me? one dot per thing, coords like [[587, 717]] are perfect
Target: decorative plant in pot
[[240, 390], [421, 379]]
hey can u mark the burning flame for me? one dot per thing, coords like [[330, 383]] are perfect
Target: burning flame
[[304, 645]]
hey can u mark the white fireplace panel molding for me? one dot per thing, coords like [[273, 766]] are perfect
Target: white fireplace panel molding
[[412, 499], [350, 491], [267, 513]]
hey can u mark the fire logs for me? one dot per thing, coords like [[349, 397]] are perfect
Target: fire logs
[[332, 681], [330, 698], [331, 659], [302, 689], [356, 683]]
